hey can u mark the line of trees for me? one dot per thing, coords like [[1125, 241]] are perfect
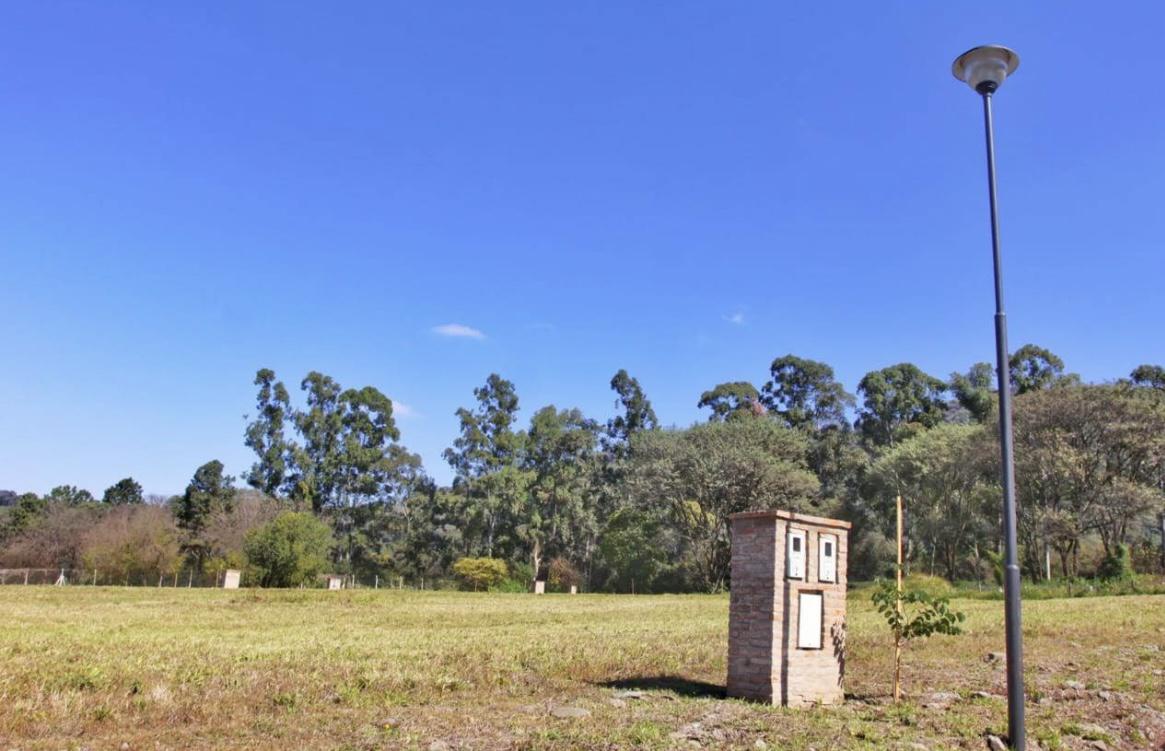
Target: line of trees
[[630, 505]]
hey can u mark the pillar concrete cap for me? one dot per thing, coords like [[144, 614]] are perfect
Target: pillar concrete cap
[[792, 516]]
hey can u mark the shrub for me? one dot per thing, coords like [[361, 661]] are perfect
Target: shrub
[[133, 542], [934, 586], [53, 538], [521, 572], [480, 573], [224, 536], [871, 555], [513, 586], [996, 566], [563, 574], [633, 551], [518, 578], [1117, 565], [290, 550]]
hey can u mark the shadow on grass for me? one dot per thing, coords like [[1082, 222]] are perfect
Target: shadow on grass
[[673, 683]]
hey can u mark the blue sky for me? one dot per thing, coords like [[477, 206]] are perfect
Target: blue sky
[[686, 190]]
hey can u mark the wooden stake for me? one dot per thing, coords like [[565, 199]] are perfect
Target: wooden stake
[[897, 641]]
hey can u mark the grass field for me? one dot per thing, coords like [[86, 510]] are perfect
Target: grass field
[[111, 668]]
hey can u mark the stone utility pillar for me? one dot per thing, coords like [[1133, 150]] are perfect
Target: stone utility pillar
[[786, 623]]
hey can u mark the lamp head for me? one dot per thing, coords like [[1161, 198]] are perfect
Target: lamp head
[[985, 68]]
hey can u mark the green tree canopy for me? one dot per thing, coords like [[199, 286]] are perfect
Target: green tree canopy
[[69, 495], [123, 492], [270, 474], [946, 478], [896, 400], [349, 451], [1152, 376], [1088, 459], [705, 473], [732, 401], [560, 455], [974, 390], [804, 394], [634, 549], [210, 491], [289, 551], [637, 413], [1034, 368], [487, 461]]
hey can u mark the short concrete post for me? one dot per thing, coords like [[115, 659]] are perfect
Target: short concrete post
[[574, 589], [786, 623], [539, 587]]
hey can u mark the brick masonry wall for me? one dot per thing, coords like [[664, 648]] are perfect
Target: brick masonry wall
[[764, 662]]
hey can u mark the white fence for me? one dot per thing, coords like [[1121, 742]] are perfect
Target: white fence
[[184, 578], [95, 577]]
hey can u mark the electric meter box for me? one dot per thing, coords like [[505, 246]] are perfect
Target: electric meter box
[[786, 623]]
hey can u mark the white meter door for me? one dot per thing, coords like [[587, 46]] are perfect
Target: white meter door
[[827, 558], [809, 612], [795, 554]]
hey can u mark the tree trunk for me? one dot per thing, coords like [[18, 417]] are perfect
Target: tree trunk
[[1162, 520], [536, 558]]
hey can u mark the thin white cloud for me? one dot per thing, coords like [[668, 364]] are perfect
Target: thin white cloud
[[736, 319], [400, 409], [458, 330]]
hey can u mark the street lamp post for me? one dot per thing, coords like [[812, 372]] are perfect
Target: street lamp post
[[984, 69]]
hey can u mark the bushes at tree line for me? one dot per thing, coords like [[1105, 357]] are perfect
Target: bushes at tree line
[[480, 573], [1117, 565], [289, 551]]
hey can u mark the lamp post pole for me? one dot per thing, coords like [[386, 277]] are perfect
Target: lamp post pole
[[984, 69]]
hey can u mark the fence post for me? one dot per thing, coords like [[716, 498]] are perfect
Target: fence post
[[26, 577], [94, 577]]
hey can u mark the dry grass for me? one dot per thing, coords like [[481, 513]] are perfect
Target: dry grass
[[98, 668]]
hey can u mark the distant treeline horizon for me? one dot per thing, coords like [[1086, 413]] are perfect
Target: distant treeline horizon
[[627, 504]]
